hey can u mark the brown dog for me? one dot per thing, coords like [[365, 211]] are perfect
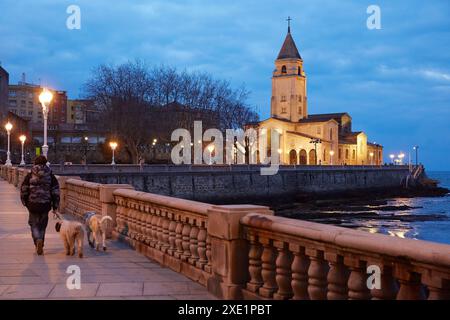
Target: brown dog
[[71, 232], [97, 226]]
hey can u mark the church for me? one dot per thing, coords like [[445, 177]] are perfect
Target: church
[[311, 139]]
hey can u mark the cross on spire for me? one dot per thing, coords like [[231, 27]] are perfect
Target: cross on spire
[[289, 24]]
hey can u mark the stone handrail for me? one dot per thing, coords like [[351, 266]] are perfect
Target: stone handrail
[[293, 259], [172, 231]]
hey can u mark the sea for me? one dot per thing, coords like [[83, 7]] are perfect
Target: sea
[[436, 230]]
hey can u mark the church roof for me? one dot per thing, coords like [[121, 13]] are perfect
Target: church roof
[[289, 49]]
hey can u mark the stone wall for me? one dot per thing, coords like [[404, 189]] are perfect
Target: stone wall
[[245, 183]]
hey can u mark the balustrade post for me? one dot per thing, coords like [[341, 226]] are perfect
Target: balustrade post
[[389, 288], [201, 241], [357, 281], [337, 277], [438, 286], [300, 267], [317, 274], [172, 236], [410, 284], [193, 244], [229, 249], [186, 240], [283, 271], [179, 239], [165, 232], [255, 264]]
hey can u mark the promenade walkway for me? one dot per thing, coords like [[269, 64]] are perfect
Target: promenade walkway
[[119, 273]]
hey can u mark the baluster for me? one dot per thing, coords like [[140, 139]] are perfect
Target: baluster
[[207, 267], [154, 231], [268, 269], [283, 272], [186, 232], [337, 277], [165, 232], [357, 281], [148, 227], [389, 288], [300, 267], [159, 231], [317, 275], [139, 218], [410, 284], [193, 243], [179, 239], [201, 241], [254, 265], [172, 236]]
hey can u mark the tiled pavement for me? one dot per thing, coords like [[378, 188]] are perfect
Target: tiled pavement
[[119, 273]]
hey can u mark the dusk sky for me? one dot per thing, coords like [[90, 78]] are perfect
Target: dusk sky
[[394, 82]]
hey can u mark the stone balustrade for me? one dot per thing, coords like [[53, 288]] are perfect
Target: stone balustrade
[[294, 259], [244, 252]]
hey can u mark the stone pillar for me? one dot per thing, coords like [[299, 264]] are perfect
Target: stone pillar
[[62, 180], [108, 203], [229, 249]]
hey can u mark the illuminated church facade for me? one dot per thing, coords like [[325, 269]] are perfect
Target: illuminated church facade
[[310, 139]]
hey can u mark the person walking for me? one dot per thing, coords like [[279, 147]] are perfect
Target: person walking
[[39, 192]]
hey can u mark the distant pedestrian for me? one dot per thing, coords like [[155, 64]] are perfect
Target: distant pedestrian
[[39, 192]]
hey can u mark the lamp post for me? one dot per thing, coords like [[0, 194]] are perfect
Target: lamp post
[[371, 158], [392, 158], [22, 139], [45, 98], [331, 157], [86, 141], [210, 149], [113, 146], [8, 128], [416, 148]]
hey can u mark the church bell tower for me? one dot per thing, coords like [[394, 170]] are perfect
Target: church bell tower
[[289, 99]]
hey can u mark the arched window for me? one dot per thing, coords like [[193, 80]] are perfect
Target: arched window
[[299, 71], [354, 154], [346, 153], [283, 69]]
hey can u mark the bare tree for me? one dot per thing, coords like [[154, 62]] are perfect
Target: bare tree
[[141, 103]]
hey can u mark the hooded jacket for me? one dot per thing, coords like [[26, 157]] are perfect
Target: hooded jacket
[[40, 186]]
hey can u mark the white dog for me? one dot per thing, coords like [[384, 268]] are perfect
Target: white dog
[[71, 232], [97, 226]]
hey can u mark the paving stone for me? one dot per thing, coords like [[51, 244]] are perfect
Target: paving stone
[[120, 289], [119, 273], [86, 290]]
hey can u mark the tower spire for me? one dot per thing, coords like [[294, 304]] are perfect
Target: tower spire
[[289, 24]]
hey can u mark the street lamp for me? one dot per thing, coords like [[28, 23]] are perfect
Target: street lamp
[[113, 146], [371, 158], [86, 140], [45, 98], [401, 156], [8, 128], [22, 139], [416, 148], [392, 158], [210, 149], [331, 157]]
